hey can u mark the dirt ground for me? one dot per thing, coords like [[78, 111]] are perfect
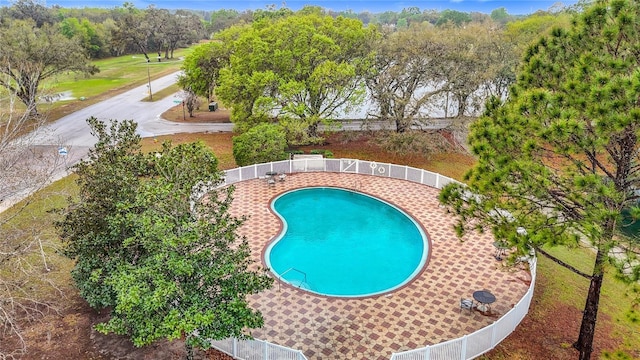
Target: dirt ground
[[546, 333], [201, 115]]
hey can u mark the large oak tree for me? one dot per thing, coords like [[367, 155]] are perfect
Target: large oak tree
[[559, 160], [474, 65], [407, 75], [306, 67]]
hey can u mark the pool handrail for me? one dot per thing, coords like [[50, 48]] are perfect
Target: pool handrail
[[281, 277]]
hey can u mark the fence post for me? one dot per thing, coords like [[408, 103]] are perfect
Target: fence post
[[265, 354], [463, 351], [493, 332], [234, 347]]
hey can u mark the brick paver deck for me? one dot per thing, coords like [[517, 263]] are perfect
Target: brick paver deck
[[425, 311]]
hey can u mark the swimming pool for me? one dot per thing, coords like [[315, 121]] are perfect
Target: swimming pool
[[337, 242]]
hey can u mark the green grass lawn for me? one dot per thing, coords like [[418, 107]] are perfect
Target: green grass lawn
[[616, 300]]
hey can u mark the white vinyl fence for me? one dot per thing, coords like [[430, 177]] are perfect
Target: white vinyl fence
[[466, 347], [256, 350], [338, 165], [475, 344]]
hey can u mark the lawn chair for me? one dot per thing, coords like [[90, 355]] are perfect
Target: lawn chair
[[466, 304]]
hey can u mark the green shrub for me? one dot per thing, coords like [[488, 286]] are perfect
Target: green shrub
[[262, 143], [325, 153], [297, 132], [413, 142]]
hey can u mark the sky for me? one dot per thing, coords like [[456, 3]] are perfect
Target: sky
[[513, 7]]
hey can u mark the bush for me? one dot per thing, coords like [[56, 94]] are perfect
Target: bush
[[297, 133], [262, 143], [415, 142], [325, 153]]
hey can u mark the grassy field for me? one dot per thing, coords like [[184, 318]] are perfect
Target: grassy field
[[116, 73]]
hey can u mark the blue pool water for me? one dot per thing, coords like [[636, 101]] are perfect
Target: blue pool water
[[342, 243]]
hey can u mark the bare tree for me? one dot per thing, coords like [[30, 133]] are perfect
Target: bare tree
[[407, 77], [24, 247], [191, 100]]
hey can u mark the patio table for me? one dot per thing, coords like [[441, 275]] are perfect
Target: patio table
[[485, 298]]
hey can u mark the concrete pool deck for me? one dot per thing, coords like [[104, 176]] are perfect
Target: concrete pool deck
[[425, 311]]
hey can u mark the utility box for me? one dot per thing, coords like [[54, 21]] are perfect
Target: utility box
[[213, 106]]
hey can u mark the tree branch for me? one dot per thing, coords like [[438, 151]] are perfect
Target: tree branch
[[563, 264]]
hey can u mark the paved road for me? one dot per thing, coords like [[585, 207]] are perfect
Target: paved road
[[73, 131]]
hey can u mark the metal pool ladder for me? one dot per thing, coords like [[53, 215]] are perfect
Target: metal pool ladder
[[302, 285]]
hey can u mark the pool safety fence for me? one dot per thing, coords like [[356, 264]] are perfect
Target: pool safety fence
[[477, 343], [467, 347], [350, 166], [256, 350]]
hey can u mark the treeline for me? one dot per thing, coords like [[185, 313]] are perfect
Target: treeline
[[105, 32], [299, 70], [474, 52], [113, 32], [221, 19]]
